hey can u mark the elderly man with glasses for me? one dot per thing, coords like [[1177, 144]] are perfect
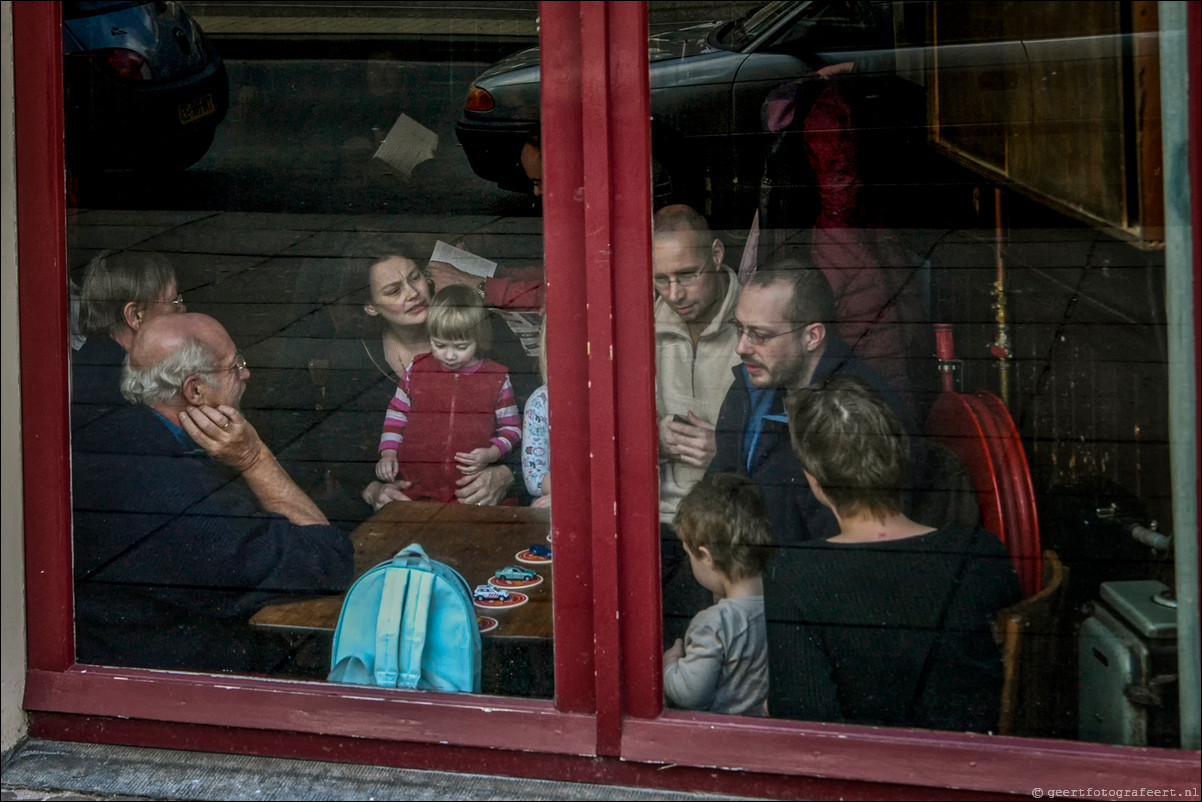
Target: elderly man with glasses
[[185, 523], [785, 329], [694, 354]]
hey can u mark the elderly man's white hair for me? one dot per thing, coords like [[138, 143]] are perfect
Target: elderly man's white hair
[[160, 383]]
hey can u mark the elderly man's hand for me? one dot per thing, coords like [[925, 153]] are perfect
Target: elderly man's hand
[[487, 487], [225, 435], [444, 275]]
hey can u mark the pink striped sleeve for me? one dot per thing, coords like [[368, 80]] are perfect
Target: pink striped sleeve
[[509, 419], [397, 417]]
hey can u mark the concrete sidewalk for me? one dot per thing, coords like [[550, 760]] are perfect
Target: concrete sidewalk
[[58, 770]]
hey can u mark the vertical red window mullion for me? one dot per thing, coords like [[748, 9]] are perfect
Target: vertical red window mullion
[[567, 356], [634, 354], [41, 258], [599, 283]]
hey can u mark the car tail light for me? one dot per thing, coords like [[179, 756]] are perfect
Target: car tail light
[[479, 100], [125, 63]]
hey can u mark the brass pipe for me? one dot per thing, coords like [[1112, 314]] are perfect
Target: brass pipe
[[1001, 346]]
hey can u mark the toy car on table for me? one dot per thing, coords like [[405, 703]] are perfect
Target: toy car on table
[[489, 593], [540, 550], [515, 573]]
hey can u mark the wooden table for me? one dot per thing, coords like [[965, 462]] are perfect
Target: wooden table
[[475, 541], [518, 657]]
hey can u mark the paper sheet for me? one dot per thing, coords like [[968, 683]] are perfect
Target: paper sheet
[[407, 145], [464, 260]]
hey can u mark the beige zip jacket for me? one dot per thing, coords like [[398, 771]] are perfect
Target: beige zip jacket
[[691, 380]]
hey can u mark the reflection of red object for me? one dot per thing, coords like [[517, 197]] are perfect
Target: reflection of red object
[[979, 429], [999, 352]]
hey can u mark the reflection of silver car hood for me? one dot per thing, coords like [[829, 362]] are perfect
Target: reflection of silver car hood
[[677, 44]]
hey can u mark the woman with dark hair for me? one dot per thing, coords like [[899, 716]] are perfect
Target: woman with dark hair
[[889, 621], [393, 294]]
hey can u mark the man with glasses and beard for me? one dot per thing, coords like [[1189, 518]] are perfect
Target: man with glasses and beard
[[694, 354], [785, 329], [185, 523]]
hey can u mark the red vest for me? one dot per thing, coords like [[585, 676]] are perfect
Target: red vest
[[448, 412]]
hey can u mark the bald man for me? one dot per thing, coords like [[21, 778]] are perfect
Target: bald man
[[185, 523]]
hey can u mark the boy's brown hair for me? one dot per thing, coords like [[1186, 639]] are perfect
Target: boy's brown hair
[[725, 513]]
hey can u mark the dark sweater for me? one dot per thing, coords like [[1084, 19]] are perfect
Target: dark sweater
[[850, 627], [173, 555], [96, 380]]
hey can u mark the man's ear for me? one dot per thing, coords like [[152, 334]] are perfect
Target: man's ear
[[814, 336], [132, 313], [194, 390], [717, 251]]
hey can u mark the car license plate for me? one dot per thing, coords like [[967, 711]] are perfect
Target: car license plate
[[194, 110]]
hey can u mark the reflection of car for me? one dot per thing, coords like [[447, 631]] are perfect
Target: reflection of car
[[489, 593], [143, 87], [540, 550], [515, 573], [708, 83]]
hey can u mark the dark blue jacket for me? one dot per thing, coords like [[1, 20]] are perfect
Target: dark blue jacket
[[173, 555], [797, 516], [96, 380]]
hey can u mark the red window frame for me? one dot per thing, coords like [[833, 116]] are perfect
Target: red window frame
[[608, 690]]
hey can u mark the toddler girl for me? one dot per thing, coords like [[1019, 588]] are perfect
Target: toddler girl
[[454, 412], [722, 664]]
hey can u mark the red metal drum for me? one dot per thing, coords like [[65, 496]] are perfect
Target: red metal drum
[[954, 424], [1017, 491]]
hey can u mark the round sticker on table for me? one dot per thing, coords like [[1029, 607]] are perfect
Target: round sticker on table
[[511, 584], [514, 599], [486, 623], [530, 558]]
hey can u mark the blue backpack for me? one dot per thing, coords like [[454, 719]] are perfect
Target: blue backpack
[[408, 623]]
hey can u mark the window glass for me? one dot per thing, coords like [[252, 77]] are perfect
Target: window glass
[[319, 279], [910, 275]]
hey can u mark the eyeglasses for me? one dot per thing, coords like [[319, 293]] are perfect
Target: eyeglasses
[[664, 283], [759, 338], [238, 366], [177, 301]]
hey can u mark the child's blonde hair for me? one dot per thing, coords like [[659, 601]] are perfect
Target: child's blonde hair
[[725, 513], [457, 313]]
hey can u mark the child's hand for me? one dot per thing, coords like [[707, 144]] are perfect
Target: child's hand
[[386, 468], [675, 653], [477, 459]]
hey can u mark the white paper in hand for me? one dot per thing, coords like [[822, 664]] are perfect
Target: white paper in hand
[[466, 261], [407, 145]]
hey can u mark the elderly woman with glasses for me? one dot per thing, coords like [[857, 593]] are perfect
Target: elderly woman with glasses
[[122, 291]]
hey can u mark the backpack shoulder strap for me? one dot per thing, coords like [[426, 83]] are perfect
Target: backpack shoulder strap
[[413, 627]]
